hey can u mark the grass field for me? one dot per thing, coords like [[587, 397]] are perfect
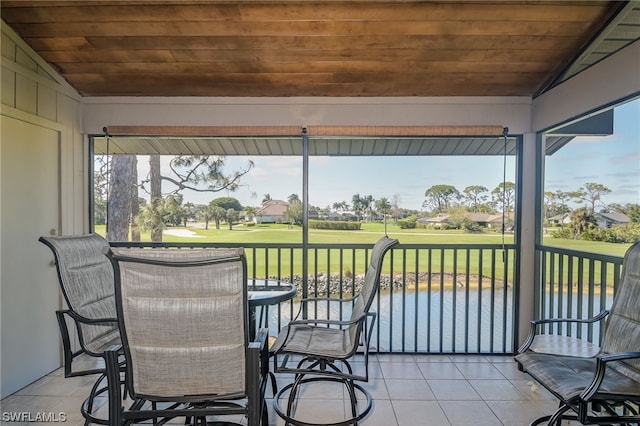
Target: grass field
[[326, 260], [369, 234]]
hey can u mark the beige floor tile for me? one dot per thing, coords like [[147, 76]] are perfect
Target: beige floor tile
[[497, 390], [479, 370], [419, 413], [407, 389], [453, 390], [400, 370], [417, 390], [466, 413], [382, 414], [440, 370], [516, 413], [377, 388]]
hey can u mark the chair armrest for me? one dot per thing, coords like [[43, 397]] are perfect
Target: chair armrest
[[535, 324], [84, 320], [327, 299], [317, 321], [601, 367], [114, 391], [260, 346], [307, 300]]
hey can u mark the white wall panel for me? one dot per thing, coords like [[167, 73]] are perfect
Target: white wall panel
[[512, 112], [43, 178], [26, 94]]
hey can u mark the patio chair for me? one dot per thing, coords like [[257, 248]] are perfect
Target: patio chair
[[600, 389], [183, 316], [319, 349], [87, 283]]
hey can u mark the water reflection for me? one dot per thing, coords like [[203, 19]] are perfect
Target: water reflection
[[456, 320]]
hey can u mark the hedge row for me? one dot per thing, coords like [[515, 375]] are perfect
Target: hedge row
[[335, 225]]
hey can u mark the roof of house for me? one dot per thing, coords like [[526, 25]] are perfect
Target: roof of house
[[616, 217], [273, 208]]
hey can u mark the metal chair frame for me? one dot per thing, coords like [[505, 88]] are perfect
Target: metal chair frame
[[93, 244], [161, 409], [599, 389], [316, 365]]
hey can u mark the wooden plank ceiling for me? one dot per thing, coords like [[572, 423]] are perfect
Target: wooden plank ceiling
[[309, 48]]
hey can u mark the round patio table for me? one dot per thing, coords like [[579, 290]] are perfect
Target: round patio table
[[262, 293]]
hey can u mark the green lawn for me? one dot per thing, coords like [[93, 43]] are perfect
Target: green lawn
[[369, 234]]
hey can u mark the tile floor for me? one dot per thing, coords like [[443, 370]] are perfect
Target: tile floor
[[424, 390]]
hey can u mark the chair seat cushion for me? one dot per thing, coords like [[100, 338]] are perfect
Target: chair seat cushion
[[105, 341], [568, 376], [315, 340]]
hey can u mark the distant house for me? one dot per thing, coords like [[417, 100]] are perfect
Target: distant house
[[313, 214], [435, 221], [606, 220], [560, 219], [272, 211], [487, 220]]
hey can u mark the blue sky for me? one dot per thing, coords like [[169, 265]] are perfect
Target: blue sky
[[613, 161]]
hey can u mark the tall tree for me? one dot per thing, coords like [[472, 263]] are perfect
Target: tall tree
[[156, 205], [356, 201], [195, 173], [267, 197], [231, 216], [383, 205], [250, 212], [123, 179], [340, 206], [293, 198], [582, 220], [440, 197], [475, 196], [294, 212], [227, 203], [591, 193], [368, 205], [504, 195], [395, 205], [217, 213], [555, 203]]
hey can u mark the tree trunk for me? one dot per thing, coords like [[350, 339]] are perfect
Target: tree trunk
[[135, 200], [156, 190], [119, 206]]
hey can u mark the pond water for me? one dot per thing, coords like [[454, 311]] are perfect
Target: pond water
[[449, 321]]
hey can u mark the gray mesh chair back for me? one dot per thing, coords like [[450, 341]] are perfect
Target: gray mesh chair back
[[364, 299], [316, 349], [87, 283], [622, 333], [183, 315], [602, 388]]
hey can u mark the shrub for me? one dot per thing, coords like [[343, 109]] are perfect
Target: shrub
[[408, 222], [336, 225]]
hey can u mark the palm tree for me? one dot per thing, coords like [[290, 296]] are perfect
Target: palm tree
[[293, 198], [267, 197], [383, 205], [357, 205], [250, 212], [367, 204]]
